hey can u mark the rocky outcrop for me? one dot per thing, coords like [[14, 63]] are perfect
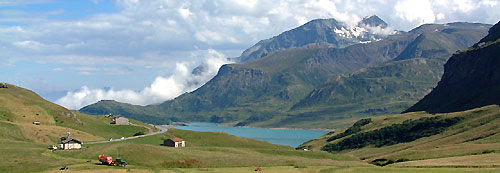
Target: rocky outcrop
[[471, 79], [331, 31]]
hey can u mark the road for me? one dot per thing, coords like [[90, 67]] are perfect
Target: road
[[151, 133], [150, 130]]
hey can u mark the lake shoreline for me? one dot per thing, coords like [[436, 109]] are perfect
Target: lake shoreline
[[180, 124], [283, 128], [282, 136]]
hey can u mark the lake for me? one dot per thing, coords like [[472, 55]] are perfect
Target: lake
[[290, 137]]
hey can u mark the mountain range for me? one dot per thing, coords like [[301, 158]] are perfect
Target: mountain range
[[455, 127], [457, 122], [317, 76]]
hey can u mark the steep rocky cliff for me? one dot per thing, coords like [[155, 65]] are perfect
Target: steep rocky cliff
[[471, 78]]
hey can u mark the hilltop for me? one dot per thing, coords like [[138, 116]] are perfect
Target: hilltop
[[21, 138]]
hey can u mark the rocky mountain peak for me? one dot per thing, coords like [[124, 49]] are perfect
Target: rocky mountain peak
[[336, 33], [373, 21]]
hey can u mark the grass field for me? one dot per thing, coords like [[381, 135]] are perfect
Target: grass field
[[24, 146], [208, 149], [279, 169], [23, 107], [461, 145], [469, 147], [236, 154]]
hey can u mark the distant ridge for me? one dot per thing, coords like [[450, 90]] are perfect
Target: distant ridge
[[471, 78]]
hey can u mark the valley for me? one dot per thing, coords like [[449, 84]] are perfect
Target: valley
[[314, 84], [327, 96]]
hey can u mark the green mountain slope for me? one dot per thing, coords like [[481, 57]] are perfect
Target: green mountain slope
[[471, 78], [21, 140], [24, 146], [21, 107], [269, 85], [263, 91], [393, 86], [424, 139], [418, 139], [143, 113], [385, 89]]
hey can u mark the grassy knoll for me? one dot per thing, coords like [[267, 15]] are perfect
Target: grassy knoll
[[208, 149], [100, 126], [22, 107], [19, 154], [23, 145], [475, 136]]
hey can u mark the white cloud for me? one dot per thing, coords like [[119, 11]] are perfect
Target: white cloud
[[142, 27], [30, 44], [184, 12], [382, 31], [58, 69], [86, 73], [415, 11], [440, 16], [490, 3], [156, 34], [161, 89]]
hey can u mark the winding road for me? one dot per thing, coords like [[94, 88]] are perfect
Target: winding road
[[150, 133]]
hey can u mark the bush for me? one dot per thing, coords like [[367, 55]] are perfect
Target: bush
[[300, 166], [182, 163], [139, 133], [382, 162], [355, 128], [408, 131]]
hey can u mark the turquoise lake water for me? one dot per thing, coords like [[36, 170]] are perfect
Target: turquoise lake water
[[291, 137]]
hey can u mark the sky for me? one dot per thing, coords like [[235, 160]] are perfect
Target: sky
[[77, 52]]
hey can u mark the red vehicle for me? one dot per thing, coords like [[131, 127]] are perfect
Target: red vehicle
[[106, 160]]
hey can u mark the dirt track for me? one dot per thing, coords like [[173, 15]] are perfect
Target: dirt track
[[150, 133]]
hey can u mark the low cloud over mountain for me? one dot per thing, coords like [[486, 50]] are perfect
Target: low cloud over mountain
[[162, 88]]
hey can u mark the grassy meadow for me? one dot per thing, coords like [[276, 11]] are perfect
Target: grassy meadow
[[461, 145], [465, 147]]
